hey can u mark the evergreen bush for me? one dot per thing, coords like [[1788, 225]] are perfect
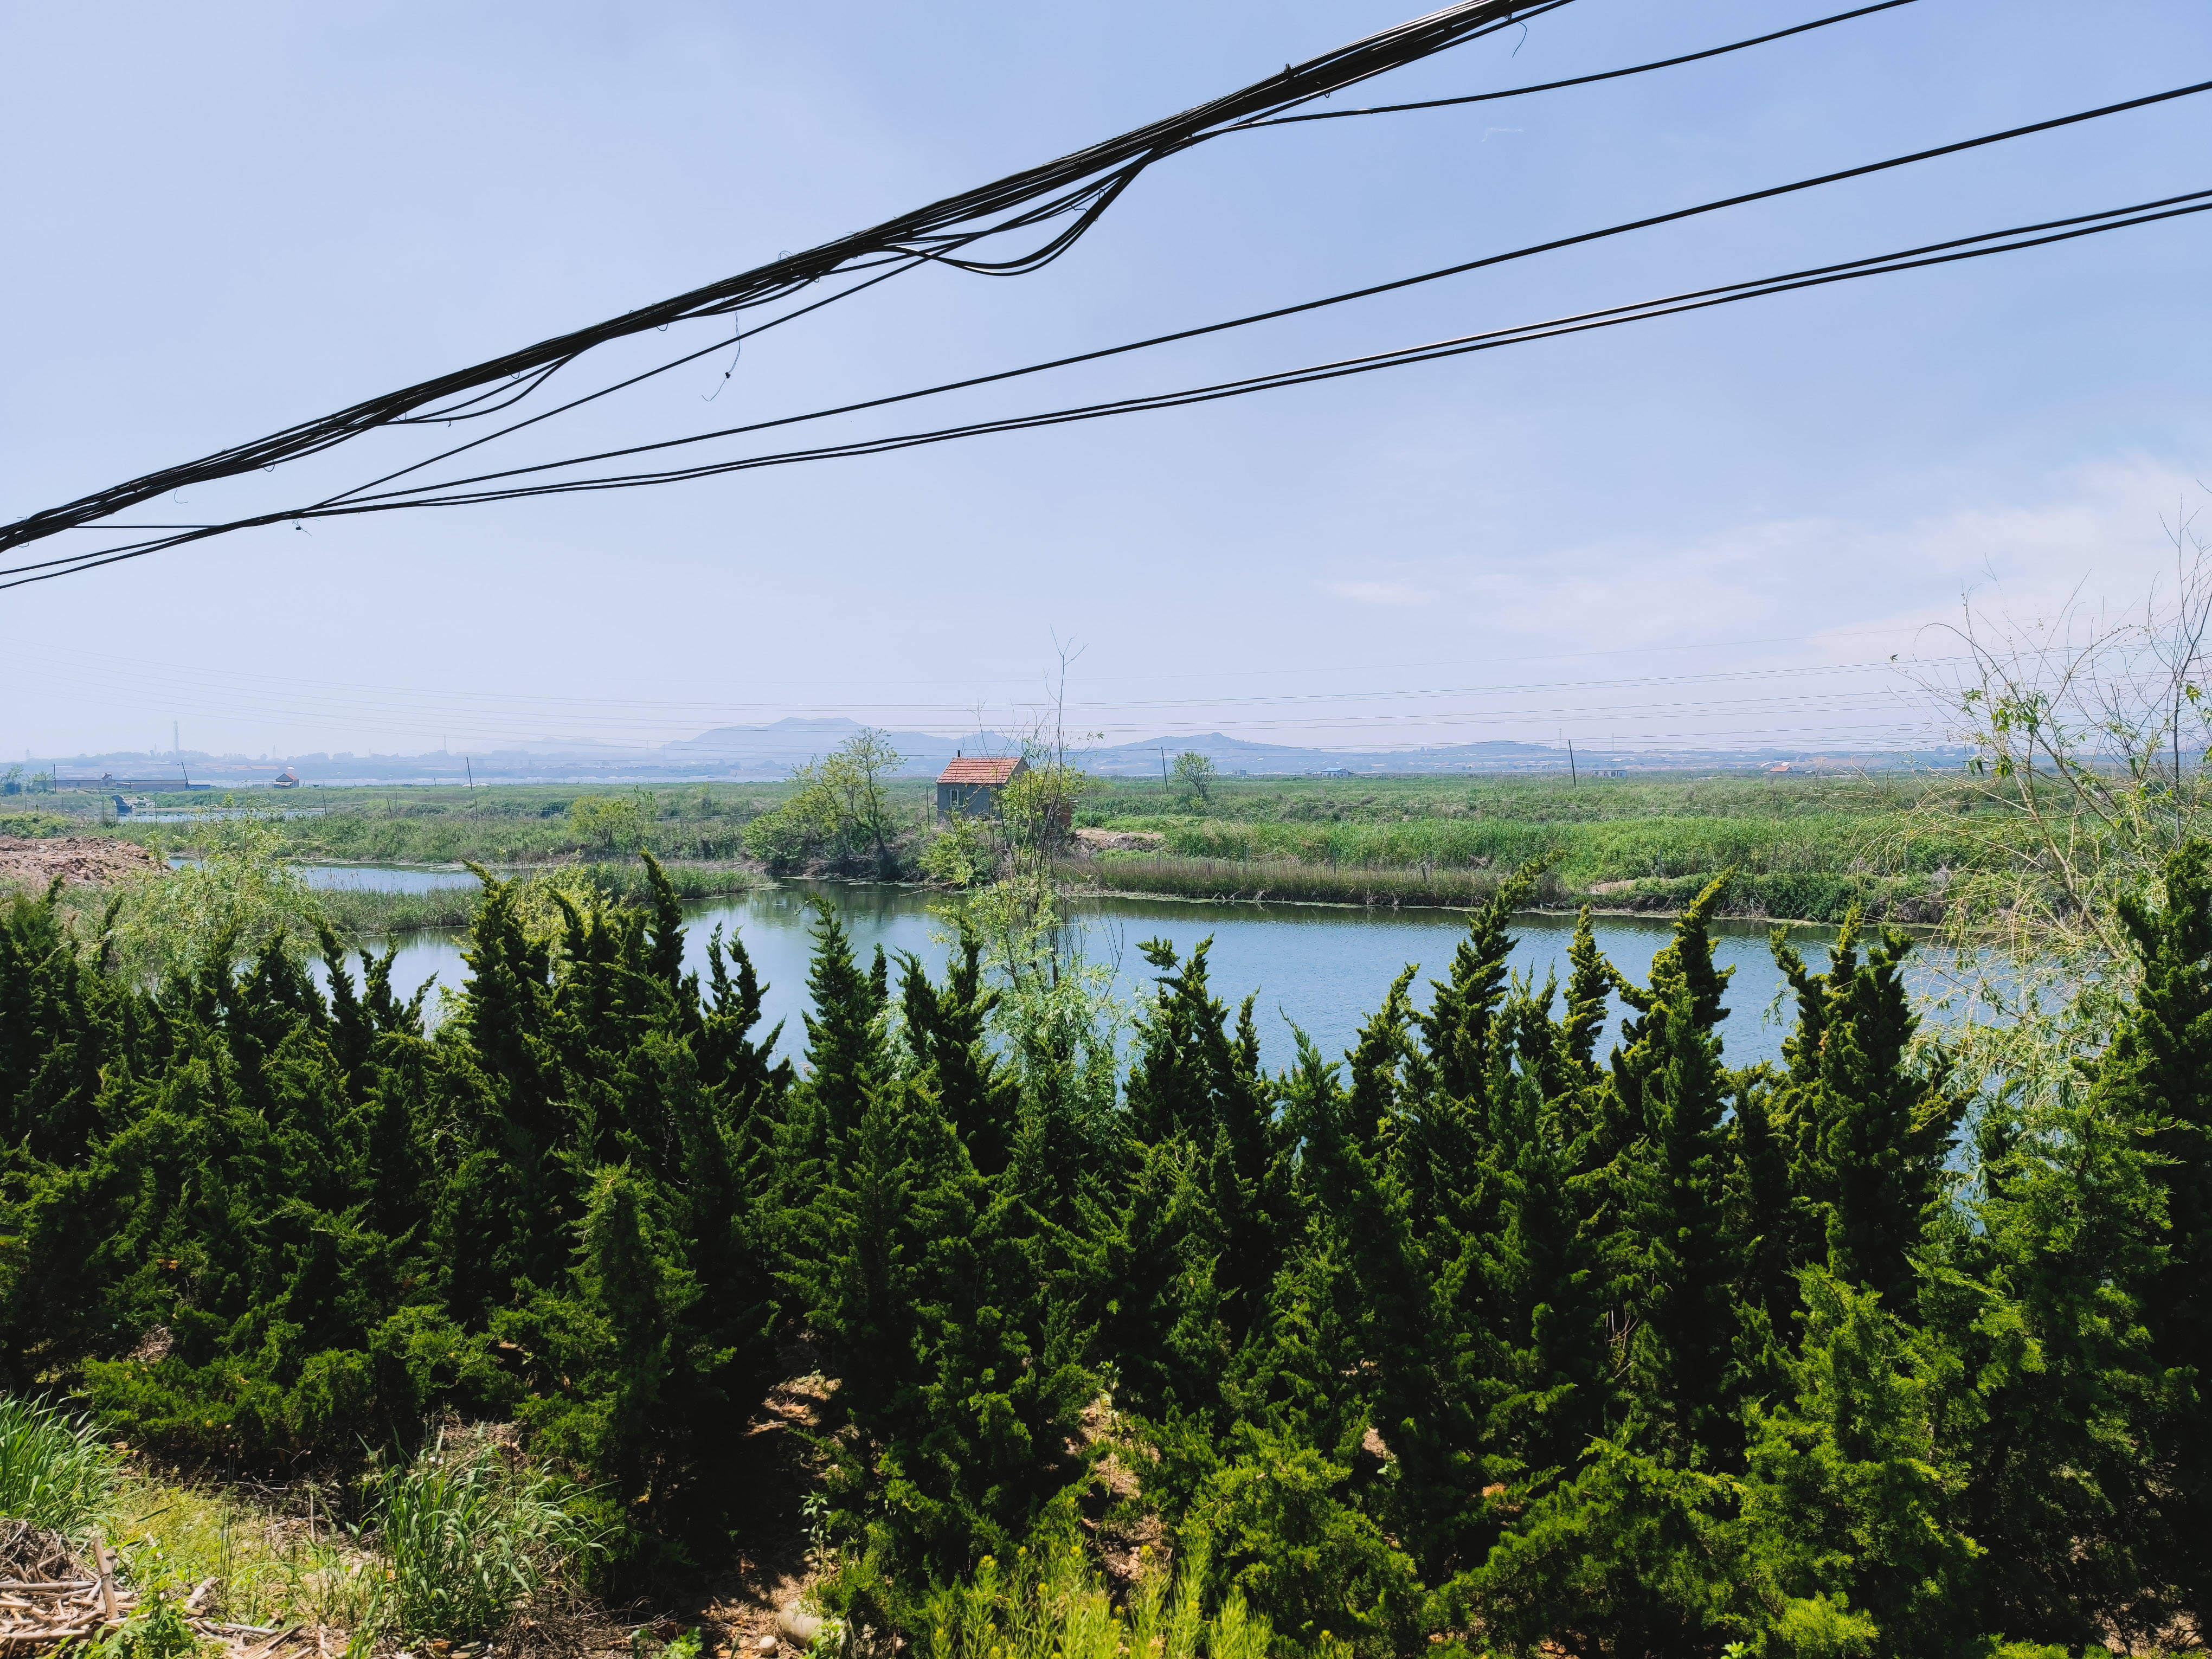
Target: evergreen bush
[[1477, 1336]]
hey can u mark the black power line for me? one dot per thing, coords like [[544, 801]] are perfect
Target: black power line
[[890, 249], [1909, 259], [452, 491], [1369, 292], [896, 268], [1579, 80], [1968, 248], [1082, 183]]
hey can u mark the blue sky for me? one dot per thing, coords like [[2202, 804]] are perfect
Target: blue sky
[[230, 217]]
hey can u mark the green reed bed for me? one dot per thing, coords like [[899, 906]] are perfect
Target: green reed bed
[[1283, 879], [1794, 896], [1585, 854]]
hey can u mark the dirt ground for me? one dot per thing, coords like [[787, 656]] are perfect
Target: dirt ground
[[1120, 841], [80, 860], [737, 1611]]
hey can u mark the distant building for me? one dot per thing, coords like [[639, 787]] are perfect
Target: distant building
[[1331, 772], [286, 779], [970, 784]]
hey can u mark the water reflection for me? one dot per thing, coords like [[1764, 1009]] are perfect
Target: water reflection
[[368, 878], [210, 814], [1322, 968]]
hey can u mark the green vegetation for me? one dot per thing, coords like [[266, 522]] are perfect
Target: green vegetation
[[1807, 847], [511, 825], [1478, 1338], [1051, 1604], [844, 814], [448, 1546], [1195, 775], [269, 1567], [471, 1538], [55, 1470]]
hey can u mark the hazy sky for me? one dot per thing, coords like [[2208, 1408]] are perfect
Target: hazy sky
[[224, 218]]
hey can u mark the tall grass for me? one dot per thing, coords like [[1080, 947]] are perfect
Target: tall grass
[[471, 1539], [1639, 849], [1793, 896], [55, 1470], [516, 825], [1286, 881], [267, 1570]]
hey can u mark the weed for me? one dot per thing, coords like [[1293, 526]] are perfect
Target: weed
[[55, 1470], [471, 1539]]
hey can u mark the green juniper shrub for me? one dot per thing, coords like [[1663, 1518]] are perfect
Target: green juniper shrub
[[1475, 1337]]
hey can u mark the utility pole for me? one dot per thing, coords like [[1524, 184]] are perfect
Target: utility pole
[[1573, 777], [1163, 768]]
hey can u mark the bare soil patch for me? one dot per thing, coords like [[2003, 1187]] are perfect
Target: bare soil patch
[[80, 860], [1120, 841]]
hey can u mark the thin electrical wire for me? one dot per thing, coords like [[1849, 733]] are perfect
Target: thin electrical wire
[[1100, 194], [1575, 81], [899, 266], [1457, 346], [107, 662], [1492, 718], [1346, 66], [1578, 323], [1906, 260], [1433, 351], [204, 692]]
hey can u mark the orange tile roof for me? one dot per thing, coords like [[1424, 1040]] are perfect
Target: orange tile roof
[[977, 768]]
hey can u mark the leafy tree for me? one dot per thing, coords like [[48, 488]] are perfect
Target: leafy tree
[[1193, 775], [841, 809], [614, 822]]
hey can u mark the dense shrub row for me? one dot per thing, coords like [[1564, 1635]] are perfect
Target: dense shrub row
[[1478, 1336]]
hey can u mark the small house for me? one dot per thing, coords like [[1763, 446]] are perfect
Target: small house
[[286, 779], [969, 784]]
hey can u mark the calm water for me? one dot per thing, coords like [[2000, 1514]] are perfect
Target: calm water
[[207, 814], [370, 877], [1322, 967], [382, 878]]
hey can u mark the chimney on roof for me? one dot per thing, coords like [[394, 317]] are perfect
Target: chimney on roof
[[955, 754]]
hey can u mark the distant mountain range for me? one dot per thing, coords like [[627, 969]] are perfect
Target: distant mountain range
[[773, 750]]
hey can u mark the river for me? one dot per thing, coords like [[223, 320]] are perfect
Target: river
[[1323, 967]]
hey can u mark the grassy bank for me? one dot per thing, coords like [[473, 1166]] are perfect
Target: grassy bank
[[357, 916], [1803, 847], [466, 1544], [1785, 896], [355, 913], [512, 824]]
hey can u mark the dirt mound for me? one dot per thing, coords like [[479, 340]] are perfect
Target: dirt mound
[[1121, 841], [81, 860]]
